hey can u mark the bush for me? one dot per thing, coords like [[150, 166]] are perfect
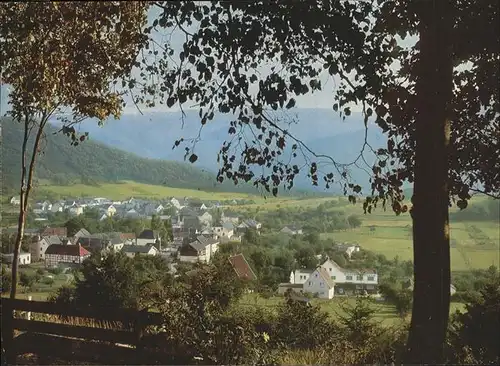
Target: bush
[[40, 271], [55, 270], [48, 281], [474, 334], [6, 280], [26, 280], [401, 299]]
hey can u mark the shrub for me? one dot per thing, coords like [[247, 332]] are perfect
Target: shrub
[[6, 280], [474, 334], [55, 270], [26, 280], [48, 281], [40, 271]]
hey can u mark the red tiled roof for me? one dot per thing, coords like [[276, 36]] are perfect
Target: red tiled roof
[[125, 236], [241, 267], [59, 231], [73, 250]]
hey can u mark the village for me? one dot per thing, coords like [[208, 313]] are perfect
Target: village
[[195, 236]]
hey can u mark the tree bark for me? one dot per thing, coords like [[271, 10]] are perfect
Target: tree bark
[[431, 243], [26, 184]]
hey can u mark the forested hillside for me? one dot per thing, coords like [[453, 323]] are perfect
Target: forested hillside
[[92, 162]]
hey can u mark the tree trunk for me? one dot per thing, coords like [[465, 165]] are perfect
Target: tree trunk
[[26, 184], [431, 243]]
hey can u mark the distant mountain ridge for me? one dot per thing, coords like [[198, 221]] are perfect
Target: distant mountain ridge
[[153, 135], [91, 162]]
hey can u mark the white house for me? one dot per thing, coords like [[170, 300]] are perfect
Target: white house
[[205, 219], [345, 279], [291, 230], [300, 276], [200, 250], [16, 201], [132, 250], [75, 210], [320, 284], [453, 290], [39, 247], [352, 249], [176, 203], [225, 231], [57, 207], [24, 258]]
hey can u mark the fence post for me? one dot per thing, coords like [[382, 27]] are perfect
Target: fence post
[[29, 312], [8, 331], [138, 330]]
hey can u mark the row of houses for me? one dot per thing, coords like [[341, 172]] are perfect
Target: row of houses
[[133, 207]]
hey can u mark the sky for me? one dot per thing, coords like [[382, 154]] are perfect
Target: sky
[[320, 99]]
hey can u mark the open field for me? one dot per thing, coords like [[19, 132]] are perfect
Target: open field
[[392, 236], [129, 189], [384, 313]]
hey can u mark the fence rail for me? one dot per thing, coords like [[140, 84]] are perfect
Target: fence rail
[[134, 323]]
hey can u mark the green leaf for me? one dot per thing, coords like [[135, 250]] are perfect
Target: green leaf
[[462, 204], [193, 158], [290, 104]]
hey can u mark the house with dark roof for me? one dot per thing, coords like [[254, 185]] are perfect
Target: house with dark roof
[[291, 230], [59, 231], [148, 236], [57, 254], [248, 224], [81, 232], [39, 247], [200, 250], [133, 250]]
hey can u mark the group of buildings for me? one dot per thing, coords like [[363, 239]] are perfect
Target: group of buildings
[[197, 236], [131, 208], [196, 233]]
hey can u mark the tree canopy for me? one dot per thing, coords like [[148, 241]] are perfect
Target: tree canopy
[[424, 71], [221, 69], [64, 60]]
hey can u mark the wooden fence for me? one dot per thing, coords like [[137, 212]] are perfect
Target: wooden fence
[[73, 342]]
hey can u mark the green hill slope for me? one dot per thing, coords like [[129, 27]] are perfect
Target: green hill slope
[[90, 162]]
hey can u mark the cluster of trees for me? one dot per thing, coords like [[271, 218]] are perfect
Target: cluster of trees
[[469, 283], [322, 219], [116, 280], [8, 240], [28, 280], [485, 210], [89, 220], [238, 334]]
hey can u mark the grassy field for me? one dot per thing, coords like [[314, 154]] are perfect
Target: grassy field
[[129, 189], [392, 236], [384, 313]]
